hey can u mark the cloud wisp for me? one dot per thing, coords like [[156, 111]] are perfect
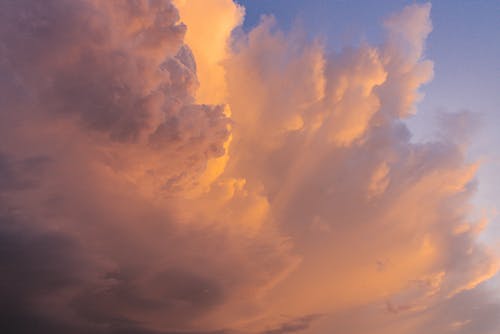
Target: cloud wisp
[[163, 171]]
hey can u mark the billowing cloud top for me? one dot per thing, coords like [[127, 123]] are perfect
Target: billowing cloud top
[[161, 172]]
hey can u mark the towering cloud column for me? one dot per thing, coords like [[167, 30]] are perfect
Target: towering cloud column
[[162, 172]]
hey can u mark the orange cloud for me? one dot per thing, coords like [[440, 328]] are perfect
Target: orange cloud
[[156, 178]]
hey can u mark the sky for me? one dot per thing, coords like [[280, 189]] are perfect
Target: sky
[[259, 167]]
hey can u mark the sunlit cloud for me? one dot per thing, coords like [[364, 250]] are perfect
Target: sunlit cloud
[[164, 171]]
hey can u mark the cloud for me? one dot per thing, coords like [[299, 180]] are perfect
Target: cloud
[[41, 271], [156, 181], [473, 311], [294, 325], [210, 28], [18, 175]]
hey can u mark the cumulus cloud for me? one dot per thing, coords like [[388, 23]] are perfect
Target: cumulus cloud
[[155, 180]]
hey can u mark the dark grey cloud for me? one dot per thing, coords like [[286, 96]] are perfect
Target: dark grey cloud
[[178, 295], [35, 267], [49, 285]]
